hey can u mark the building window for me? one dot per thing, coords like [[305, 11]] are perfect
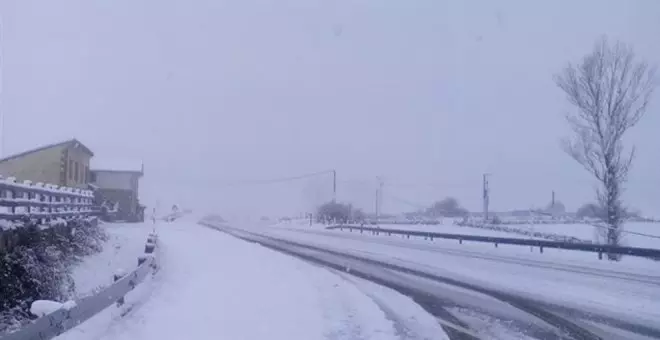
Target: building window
[[70, 169], [75, 171]]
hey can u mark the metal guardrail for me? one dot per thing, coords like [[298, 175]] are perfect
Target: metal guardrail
[[59, 321], [41, 200], [541, 244]]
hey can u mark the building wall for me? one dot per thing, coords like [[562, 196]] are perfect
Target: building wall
[[127, 199], [41, 166], [76, 172], [119, 186]]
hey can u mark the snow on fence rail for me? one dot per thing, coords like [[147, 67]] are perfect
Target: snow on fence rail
[[70, 315], [587, 247], [42, 201]]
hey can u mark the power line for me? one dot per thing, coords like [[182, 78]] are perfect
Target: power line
[[280, 180], [407, 202]]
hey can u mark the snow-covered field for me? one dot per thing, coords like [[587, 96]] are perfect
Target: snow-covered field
[[213, 286], [442, 228], [636, 234]]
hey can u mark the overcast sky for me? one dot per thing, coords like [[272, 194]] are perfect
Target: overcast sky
[[428, 94]]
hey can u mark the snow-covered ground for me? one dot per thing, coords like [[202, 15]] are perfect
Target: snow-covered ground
[[125, 243], [636, 234], [627, 289], [213, 286]]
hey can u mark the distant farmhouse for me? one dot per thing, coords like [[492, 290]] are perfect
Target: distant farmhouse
[[68, 164]]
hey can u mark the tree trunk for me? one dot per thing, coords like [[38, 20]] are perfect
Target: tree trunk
[[614, 214]]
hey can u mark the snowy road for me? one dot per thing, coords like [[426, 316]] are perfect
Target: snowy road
[[280, 283], [214, 286], [620, 296]]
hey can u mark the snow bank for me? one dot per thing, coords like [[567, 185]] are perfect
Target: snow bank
[[41, 308], [69, 305]]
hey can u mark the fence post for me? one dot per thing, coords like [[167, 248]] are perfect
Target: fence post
[[460, 241], [13, 196], [541, 249], [495, 244], [600, 255]]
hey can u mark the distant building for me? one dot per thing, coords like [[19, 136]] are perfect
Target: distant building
[[64, 163], [120, 185]]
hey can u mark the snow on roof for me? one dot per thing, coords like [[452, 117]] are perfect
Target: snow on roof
[[108, 164]]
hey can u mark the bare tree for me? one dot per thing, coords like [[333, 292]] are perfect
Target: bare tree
[[611, 90]]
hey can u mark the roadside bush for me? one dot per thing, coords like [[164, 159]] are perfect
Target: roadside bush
[[39, 267]]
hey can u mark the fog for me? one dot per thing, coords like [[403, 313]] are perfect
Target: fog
[[215, 96]]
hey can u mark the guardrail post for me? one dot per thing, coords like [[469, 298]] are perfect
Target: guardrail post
[[116, 277]]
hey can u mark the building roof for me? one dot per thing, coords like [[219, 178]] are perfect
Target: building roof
[[72, 141], [117, 165]]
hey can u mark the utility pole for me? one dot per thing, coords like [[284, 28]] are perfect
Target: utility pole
[[379, 198], [553, 199], [334, 186], [376, 208], [486, 197]]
